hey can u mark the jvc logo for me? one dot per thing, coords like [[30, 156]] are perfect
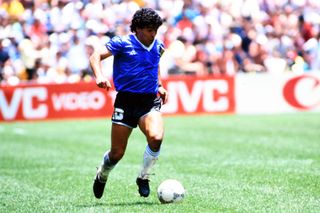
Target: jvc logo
[[26, 97], [204, 96]]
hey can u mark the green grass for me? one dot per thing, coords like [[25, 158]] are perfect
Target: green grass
[[226, 163]]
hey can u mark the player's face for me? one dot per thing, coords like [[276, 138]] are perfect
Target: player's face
[[146, 35]]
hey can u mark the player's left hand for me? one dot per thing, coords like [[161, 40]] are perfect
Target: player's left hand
[[163, 94], [104, 83]]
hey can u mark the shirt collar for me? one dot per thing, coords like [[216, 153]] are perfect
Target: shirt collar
[[145, 47]]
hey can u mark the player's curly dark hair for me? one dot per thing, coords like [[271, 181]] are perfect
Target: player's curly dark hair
[[145, 17]]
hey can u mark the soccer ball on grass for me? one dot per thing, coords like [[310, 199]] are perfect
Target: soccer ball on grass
[[171, 191]]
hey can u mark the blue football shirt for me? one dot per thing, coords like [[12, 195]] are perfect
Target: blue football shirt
[[135, 66]]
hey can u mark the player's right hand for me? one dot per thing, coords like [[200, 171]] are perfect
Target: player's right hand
[[103, 83]]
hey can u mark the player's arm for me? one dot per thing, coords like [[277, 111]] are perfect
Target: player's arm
[[95, 62], [162, 91]]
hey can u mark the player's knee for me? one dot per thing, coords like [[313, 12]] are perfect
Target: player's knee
[[157, 138], [116, 155], [155, 142]]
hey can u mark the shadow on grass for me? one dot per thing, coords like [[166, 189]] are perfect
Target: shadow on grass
[[134, 203]]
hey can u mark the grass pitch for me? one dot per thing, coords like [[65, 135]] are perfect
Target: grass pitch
[[267, 163]]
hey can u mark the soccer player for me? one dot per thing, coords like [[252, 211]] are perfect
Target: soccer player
[[140, 95]]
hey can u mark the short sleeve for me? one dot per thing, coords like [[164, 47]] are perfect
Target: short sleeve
[[115, 45], [162, 49]]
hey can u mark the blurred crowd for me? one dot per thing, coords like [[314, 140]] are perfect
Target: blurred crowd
[[50, 41]]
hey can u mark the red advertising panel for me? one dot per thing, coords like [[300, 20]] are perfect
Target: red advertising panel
[[83, 100], [54, 101], [200, 95]]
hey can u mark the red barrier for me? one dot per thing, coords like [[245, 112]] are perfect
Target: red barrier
[[83, 100]]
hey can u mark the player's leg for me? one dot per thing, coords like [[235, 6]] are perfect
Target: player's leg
[[119, 141], [152, 127]]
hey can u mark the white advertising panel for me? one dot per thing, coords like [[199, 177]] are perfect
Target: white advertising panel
[[268, 93]]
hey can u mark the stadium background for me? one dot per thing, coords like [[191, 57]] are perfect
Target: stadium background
[[248, 71], [260, 56]]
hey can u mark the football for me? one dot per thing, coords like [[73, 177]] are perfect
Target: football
[[171, 191]]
